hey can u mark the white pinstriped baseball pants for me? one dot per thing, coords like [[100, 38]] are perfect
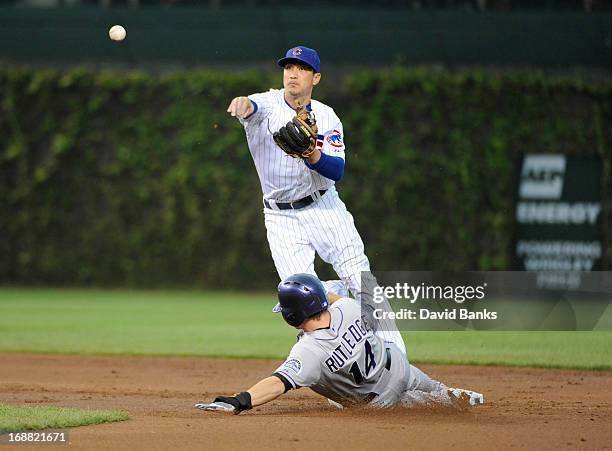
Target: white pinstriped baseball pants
[[328, 228]]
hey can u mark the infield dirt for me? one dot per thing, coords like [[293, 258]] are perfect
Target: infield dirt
[[525, 408]]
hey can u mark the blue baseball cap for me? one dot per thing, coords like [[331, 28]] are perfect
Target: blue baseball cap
[[303, 54]]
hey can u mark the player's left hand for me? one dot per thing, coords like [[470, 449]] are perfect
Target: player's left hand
[[228, 404], [298, 138]]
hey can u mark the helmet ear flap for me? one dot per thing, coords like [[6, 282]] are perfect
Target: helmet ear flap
[[291, 319]]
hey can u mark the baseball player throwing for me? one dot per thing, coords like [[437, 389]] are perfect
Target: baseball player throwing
[[303, 211], [340, 357]]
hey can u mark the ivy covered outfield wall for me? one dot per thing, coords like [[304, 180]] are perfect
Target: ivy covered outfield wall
[[125, 179]]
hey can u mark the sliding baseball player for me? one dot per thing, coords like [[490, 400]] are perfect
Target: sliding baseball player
[[340, 357]]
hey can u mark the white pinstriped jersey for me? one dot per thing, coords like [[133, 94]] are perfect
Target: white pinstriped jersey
[[282, 178], [326, 226]]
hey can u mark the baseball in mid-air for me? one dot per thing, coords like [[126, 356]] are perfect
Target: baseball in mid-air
[[117, 33]]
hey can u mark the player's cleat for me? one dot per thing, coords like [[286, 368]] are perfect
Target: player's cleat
[[465, 398], [217, 407]]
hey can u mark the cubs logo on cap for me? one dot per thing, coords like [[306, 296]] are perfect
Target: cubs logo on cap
[[304, 54]]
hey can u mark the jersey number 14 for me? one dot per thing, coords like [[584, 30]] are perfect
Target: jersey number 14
[[369, 364]]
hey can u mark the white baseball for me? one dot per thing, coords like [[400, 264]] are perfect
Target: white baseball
[[117, 33]]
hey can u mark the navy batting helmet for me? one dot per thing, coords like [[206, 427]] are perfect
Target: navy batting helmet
[[300, 296]]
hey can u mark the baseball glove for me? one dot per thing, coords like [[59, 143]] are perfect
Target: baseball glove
[[298, 138]]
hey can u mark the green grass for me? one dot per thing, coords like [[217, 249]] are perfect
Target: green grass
[[35, 418], [141, 322], [582, 350], [184, 323]]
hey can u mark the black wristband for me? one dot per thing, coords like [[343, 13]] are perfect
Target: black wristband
[[244, 398], [241, 401]]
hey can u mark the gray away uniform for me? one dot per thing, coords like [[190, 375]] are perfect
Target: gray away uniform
[[349, 364]]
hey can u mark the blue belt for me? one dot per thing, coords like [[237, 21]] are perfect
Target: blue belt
[[304, 202]]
